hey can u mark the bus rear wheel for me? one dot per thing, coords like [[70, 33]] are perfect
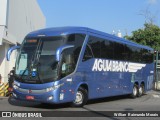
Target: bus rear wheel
[[81, 98], [134, 91], [141, 90]]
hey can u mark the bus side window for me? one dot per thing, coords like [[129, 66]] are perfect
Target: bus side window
[[88, 54], [68, 63]]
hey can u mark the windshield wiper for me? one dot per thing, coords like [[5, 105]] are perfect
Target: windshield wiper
[[23, 73], [35, 62]]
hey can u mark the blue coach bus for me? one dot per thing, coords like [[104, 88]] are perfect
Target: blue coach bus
[[76, 64]]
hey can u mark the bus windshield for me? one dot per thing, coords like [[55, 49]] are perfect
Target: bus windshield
[[37, 63], [36, 59]]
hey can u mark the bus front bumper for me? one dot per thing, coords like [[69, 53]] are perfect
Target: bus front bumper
[[47, 97]]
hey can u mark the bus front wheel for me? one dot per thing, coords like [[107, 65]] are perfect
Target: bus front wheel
[[81, 98]]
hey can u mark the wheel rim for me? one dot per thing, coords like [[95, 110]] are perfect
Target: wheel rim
[[134, 91], [140, 90], [79, 98]]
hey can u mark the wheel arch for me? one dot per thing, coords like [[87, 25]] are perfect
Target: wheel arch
[[83, 85], [142, 83], [136, 83]]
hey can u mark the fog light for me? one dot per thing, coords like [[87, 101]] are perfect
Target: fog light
[[50, 97]]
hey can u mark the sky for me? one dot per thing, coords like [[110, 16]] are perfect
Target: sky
[[102, 15]]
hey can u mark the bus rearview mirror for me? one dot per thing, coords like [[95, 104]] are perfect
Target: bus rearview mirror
[[60, 50], [10, 51]]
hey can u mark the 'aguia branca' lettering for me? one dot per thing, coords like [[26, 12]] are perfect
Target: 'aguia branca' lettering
[[110, 65]]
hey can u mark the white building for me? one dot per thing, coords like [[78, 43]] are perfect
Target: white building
[[17, 18]]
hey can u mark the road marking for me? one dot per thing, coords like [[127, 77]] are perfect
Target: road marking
[[156, 96]]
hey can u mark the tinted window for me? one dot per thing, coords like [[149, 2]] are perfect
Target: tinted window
[[136, 54], [127, 52], [88, 54], [95, 44], [101, 48], [119, 53], [107, 49], [147, 56], [76, 40], [70, 56]]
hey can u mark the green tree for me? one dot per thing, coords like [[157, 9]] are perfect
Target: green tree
[[149, 35]]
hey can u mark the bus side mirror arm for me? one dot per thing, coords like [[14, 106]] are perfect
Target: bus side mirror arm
[[60, 50], [10, 51]]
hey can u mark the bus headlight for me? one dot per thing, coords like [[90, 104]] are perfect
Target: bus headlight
[[49, 89], [15, 86], [53, 88]]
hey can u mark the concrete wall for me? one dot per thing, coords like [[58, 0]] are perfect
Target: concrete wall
[[3, 12], [17, 18], [3, 17], [4, 65], [23, 16]]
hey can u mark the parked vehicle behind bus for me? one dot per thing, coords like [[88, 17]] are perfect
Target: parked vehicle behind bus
[[76, 64]]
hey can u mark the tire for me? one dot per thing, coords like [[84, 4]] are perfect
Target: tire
[[141, 90], [134, 91], [81, 98]]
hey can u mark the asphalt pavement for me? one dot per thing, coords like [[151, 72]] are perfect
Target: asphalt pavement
[[105, 108]]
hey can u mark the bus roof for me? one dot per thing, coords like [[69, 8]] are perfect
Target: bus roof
[[69, 30]]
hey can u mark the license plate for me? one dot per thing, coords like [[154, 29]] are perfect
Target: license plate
[[30, 97]]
